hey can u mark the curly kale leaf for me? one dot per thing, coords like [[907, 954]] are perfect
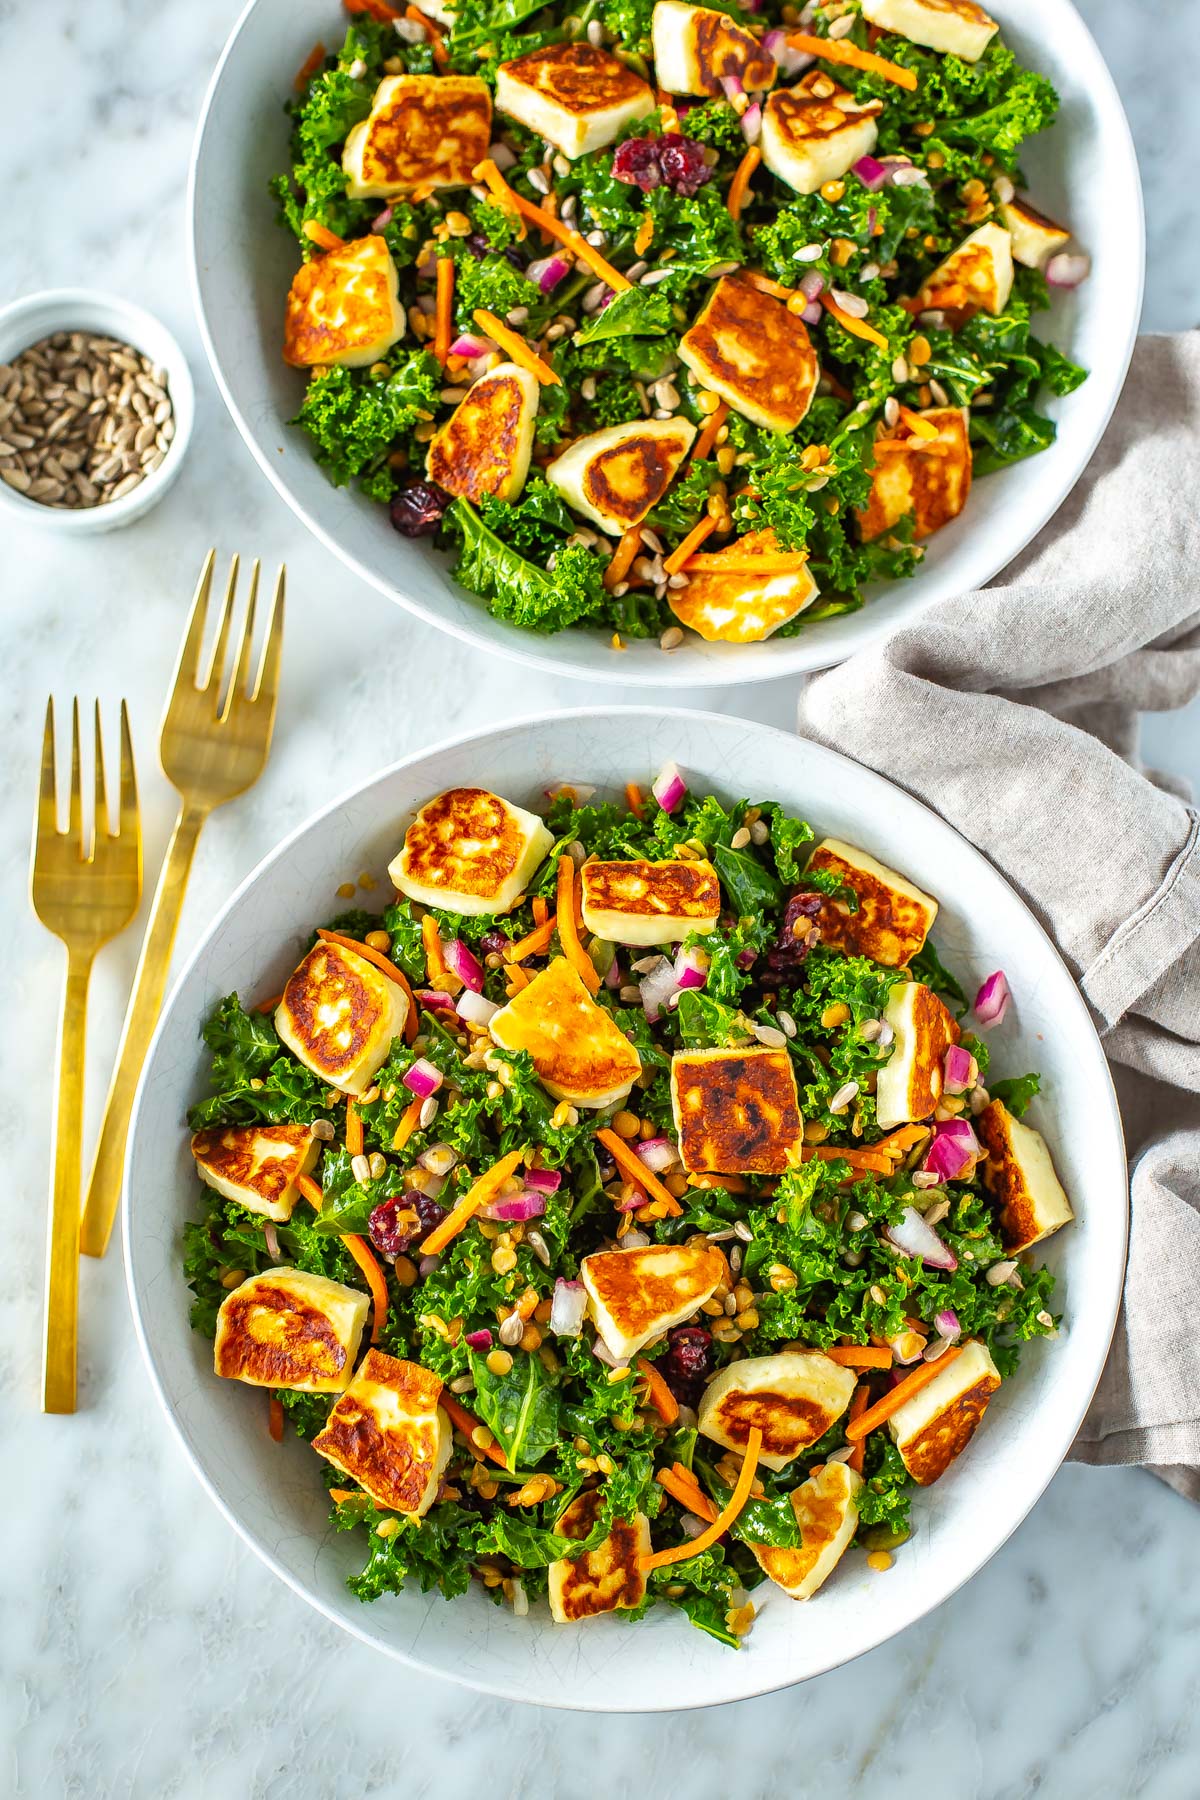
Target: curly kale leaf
[[520, 591], [1016, 1091], [253, 1079], [520, 1407], [355, 419], [637, 312]]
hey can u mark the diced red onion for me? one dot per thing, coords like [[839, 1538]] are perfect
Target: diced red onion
[[732, 88], [960, 1071], [872, 174], [669, 787], [915, 1238], [1066, 270], [464, 963], [947, 1322], [746, 959], [548, 271], [953, 1150], [812, 313], [423, 1079], [567, 1307], [613, 979], [434, 998], [853, 305], [635, 1240], [546, 1181], [605, 1355], [788, 60], [773, 41], [991, 1002], [272, 1241], [691, 968], [657, 988], [382, 220], [515, 1209], [469, 347], [478, 1340], [501, 155], [475, 1007], [751, 123], [428, 1265], [811, 285], [872, 216], [659, 1154]]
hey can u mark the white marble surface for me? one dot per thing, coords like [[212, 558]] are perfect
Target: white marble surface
[[143, 1652]]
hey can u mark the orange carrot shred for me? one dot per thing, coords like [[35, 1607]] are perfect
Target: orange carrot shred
[[354, 1130], [339, 1496], [269, 1006], [320, 235], [859, 1356], [441, 55], [541, 912], [476, 1195], [386, 967], [487, 171], [765, 285], [568, 932], [468, 1424], [674, 563], [375, 1281], [517, 348], [903, 1391], [631, 1164], [645, 235], [621, 560], [694, 1498], [275, 1417], [858, 1406], [410, 1119], [740, 185], [708, 436], [309, 67], [724, 1519], [435, 962], [837, 50], [856, 327], [661, 1398], [533, 943], [634, 801], [443, 331], [858, 1159]]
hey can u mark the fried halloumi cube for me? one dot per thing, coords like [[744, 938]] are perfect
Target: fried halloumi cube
[[256, 1165], [956, 27], [423, 131], [932, 1428], [344, 307], [1019, 1175], [388, 1433], [579, 1051], [735, 605], [695, 48], [793, 1398], [826, 1512], [909, 1085], [636, 1295], [339, 1014], [927, 477], [1035, 238], [747, 347], [485, 445], [736, 1111], [613, 477], [815, 131], [893, 919], [977, 277], [641, 902], [575, 95], [606, 1579], [288, 1329], [470, 852]]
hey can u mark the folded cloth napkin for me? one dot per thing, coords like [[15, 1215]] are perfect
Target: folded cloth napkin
[[1013, 712]]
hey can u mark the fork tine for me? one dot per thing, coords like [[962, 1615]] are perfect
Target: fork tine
[[266, 685], [188, 666], [216, 667], [128, 819], [47, 814], [75, 813], [101, 823], [239, 683]]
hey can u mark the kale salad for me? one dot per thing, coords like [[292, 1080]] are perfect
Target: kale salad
[[627, 1213], [665, 318]]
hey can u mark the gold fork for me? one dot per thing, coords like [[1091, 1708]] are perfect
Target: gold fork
[[86, 885], [211, 752]]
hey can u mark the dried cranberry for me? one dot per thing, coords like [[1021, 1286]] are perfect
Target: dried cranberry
[[494, 943], [416, 510], [636, 162], [392, 1235], [683, 163], [687, 1362], [790, 949]]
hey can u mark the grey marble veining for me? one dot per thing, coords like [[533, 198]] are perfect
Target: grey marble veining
[[143, 1651]]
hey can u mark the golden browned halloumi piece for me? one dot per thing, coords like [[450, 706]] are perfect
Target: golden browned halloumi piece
[[606, 1579], [695, 48], [737, 606], [736, 1111], [470, 852], [643, 903], [613, 477], [636, 1295], [423, 131], [909, 1085], [1035, 238], [956, 27], [339, 1014], [826, 1512], [485, 445], [256, 1165], [793, 1398], [977, 277], [815, 131], [575, 95], [929, 478], [288, 1329], [388, 1433], [893, 919], [343, 307], [579, 1051], [1019, 1174], [751, 350], [937, 1424]]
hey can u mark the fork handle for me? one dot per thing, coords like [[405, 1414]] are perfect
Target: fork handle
[[62, 1245], [141, 1016]]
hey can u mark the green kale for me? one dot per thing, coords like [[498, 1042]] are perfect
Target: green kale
[[637, 312], [927, 966], [535, 525], [1016, 1091], [520, 591], [254, 1079], [354, 419], [521, 1408]]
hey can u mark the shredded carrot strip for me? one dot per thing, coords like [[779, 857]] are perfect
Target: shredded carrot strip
[[765, 285], [269, 1006], [476, 1195], [568, 931], [533, 943], [309, 67], [310, 1190], [856, 327], [375, 1281], [859, 1356], [441, 55], [739, 187], [645, 235], [858, 1406], [541, 912], [920, 426], [694, 1498], [375, 9], [468, 1424], [634, 801], [858, 1159], [838, 50], [517, 348], [661, 1398], [733, 1184], [517, 979], [695, 537], [339, 1496], [435, 962], [898, 1141], [323, 238], [622, 557], [725, 563], [386, 967], [904, 1390], [354, 1130], [443, 331], [708, 436], [489, 174], [724, 1519], [537, 215], [275, 1417], [631, 1164], [409, 1121]]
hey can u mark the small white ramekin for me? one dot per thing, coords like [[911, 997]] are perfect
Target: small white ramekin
[[37, 316]]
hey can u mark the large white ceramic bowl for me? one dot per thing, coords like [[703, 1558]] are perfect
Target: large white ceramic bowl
[[274, 1494], [1084, 170]]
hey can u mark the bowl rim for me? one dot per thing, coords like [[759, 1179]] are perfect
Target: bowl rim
[[764, 1682], [141, 323]]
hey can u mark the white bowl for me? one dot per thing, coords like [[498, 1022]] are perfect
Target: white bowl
[[274, 1495], [37, 316]]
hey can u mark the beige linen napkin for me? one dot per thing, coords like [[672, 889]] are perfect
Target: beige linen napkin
[[1013, 712]]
